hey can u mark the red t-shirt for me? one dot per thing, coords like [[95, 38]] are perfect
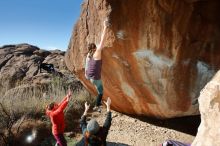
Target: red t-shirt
[[57, 117]]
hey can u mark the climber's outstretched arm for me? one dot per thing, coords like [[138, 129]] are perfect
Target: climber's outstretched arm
[[97, 54], [100, 45]]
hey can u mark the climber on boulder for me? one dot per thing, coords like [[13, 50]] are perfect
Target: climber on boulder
[[93, 67], [93, 134]]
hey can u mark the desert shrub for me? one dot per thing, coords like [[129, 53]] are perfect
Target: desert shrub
[[28, 102], [7, 121], [12, 125]]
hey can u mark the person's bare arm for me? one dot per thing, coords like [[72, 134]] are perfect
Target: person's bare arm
[[86, 65], [69, 94], [108, 119], [86, 109], [83, 118], [100, 46], [97, 54]]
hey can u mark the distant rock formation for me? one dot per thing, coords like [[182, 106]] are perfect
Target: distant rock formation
[[209, 106], [19, 69], [159, 54]]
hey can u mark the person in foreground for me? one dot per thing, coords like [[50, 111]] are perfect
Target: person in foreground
[[93, 134], [93, 67], [56, 114]]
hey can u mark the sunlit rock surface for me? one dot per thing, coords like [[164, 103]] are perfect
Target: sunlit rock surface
[[159, 54], [19, 71], [209, 106]]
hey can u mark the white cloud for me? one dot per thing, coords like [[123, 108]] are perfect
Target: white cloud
[[54, 48]]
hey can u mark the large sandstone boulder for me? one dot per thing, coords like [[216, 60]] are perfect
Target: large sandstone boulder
[[158, 54], [209, 106]]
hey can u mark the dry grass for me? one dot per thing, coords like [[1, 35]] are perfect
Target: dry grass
[[29, 102]]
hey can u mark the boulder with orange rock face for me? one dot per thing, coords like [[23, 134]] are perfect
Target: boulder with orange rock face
[[158, 54]]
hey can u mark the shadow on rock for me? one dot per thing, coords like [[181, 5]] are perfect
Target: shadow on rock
[[115, 144], [188, 125]]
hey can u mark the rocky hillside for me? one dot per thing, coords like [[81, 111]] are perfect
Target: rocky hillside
[[158, 54], [19, 70]]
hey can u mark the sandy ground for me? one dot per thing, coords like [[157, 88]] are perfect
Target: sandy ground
[[141, 131]]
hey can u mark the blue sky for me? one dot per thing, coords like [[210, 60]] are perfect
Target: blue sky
[[47, 24]]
